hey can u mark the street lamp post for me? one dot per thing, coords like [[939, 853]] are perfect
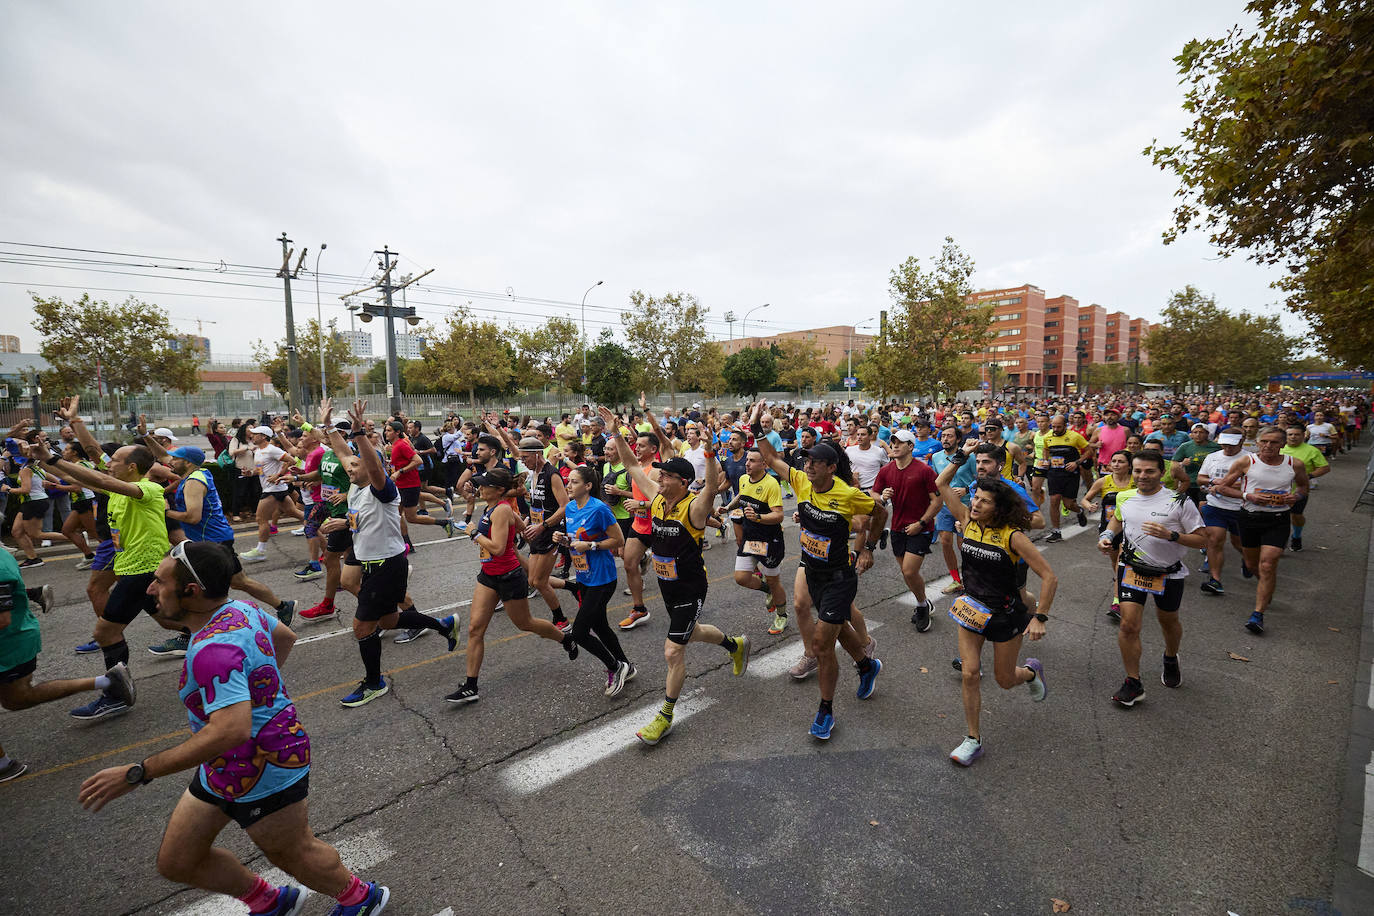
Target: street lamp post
[[744, 328], [319, 322], [353, 308], [584, 335], [849, 348]]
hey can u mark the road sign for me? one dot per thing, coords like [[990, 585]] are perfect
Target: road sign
[[986, 386], [851, 382]]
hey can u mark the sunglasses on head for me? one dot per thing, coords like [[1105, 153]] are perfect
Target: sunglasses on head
[[179, 554]]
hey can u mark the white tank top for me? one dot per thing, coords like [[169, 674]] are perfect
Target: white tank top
[[1268, 478], [376, 525]]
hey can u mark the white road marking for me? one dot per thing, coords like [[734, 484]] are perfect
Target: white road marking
[[780, 659], [1366, 860], [544, 768], [440, 611], [359, 853]]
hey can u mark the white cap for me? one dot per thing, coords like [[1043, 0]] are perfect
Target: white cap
[[904, 435], [1229, 438], [163, 432], [261, 431]]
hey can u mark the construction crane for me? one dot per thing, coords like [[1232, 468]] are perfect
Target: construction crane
[[200, 323]]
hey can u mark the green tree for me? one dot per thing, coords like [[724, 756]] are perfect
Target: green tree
[[666, 335], [1279, 160], [610, 371], [932, 326], [707, 373], [1100, 376], [272, 360], [750, 371], [131, 343], [465, 356], [802, 365], [550, 354], [1199, 342]]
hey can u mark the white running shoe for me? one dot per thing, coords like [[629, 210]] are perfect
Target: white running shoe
[[256, 555]]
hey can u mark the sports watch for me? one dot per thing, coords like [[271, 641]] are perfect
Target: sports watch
[[136, 775]]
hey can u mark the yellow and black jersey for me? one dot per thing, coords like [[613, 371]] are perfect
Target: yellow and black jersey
[[989, 565], [677, 544], [1061, 450], [1110, 489], [764, 496], [825, 520]]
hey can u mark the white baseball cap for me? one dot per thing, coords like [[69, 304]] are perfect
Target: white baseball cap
[[163, 432], [261, 431]]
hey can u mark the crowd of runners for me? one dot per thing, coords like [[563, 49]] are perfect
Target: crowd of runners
[[567, 506]]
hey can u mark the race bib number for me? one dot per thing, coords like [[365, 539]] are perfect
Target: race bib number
[[641, 511], [1271, 496], [353, 520], [815, 545], [327, 491], [579, 562], [1133, 579], [737, 515], [970, 614], [483, 554], [665, 568], [1057, 461], [756, 548], [536, 516]]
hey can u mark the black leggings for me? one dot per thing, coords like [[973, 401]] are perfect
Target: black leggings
[[590, 628]]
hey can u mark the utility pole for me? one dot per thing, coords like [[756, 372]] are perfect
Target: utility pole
[[730, 320], [389, 311], [293, 369]]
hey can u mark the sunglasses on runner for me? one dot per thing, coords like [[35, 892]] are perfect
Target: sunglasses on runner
[[179, 554]]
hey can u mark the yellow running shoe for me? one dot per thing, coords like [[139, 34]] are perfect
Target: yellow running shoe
[[779, 624], [656, 730], [741, 654]]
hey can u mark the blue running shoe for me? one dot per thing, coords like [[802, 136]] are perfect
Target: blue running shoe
[[86, 648], [1255, 624], [868, 682], [823, 726], [363, 694], [451, 630], [377, 898], [290, 902], [102, 706]]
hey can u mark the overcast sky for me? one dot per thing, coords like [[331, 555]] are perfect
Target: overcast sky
[[748, 153]]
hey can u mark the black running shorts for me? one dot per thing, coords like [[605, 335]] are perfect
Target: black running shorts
[[383, 587], [1264, 529], [246, 814], [832, 592], [509, 586], [129, 598]]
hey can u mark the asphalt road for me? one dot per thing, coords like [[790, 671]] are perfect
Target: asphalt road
[[1220, 796]]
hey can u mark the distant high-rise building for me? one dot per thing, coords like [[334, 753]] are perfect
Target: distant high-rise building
[[409, 346], [359, 342], [9, 344], [191, 341]]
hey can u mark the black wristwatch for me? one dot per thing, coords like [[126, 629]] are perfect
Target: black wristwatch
[[136, 775], [1042, 617], [1173, 535]]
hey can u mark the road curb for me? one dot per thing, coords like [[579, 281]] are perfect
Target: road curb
[[1353, 887]]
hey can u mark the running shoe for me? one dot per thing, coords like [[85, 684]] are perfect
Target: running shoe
[[448, 507], [86, 648], [1114, 611], [740, 657], [256, 555], [1206, 563], [1246, 571], [463, 695], [705, 544], [1213, 587], [290, 901], [174, 647], [882, 539], [954, 588], [309, 571], [450, 630], [804, 668], [286, 611], [615, 680], [1171, 676], [322, 611], [1054, 538], [1295, 544], [868, 682], [272, 529], [631, 675], [637, 616], [569, 646], [47, 598], [969, 750], [363, 694], [85, 562], [45, 543], [410, 635], [1131, 692], [372, 905], [449, 530], [1037, 687], [779, 625], [298, 532], [13, 770], [121, 684], [102, 706], [1255, 624], [562, 625], [958, 665], [31, 563], [823, 726], [656, 730], [1082, 519], [921, 617]]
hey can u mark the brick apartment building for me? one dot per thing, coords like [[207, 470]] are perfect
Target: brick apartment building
[[1037, 340], [834, 342]]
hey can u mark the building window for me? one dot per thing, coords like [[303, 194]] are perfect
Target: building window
[[1009, 332], [1051, 352], [1005, 348], [1013, 316], [1051, 324], [1052, 310], [1010, 300], [1111, 324], [1052, 337]]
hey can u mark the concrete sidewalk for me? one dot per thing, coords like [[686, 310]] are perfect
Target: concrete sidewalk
[[1353, 889]]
